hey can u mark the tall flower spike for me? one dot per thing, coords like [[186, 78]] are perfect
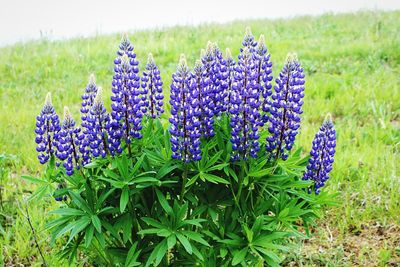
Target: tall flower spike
[[220, 81], [322, 155], [87, 102], [245, 104], [127, 98], [285, 110], [47, 128], [264, 75], [69, 142], [230, 64], [152, 89], [205, 112], [209, 73], [185, 126], [99, 124], [249, 40]]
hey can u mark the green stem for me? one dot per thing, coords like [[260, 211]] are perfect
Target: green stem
[[265, 185], [241, 178], [184, 177]]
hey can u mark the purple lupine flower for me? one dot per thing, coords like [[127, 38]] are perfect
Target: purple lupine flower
[[126, 98], [230, 64], [245, 105], [209, 73], [322, 155], [99, 124], [285, 110], [69, 140], [204, 96], [220, 71], [47, 128], [264, 75], [185, 126], [152, 86], [249, 41], [87, 102]]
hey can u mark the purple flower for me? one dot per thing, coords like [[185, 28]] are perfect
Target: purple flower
[[249, 41], [47, 127], [69, 143], [244, 109], [185, 126], [220, 82], [99, 124], [230, 65], [87, 102], [126, 98], [210, 77], [322, 155], [205, 111], [264, 75], [152, 86], [286, 108]]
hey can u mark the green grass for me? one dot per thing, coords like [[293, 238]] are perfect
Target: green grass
[[352, 65]]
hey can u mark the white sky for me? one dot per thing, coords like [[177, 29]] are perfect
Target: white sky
[[21, 20]]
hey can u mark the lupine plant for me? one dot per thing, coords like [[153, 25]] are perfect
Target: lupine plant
[[215, 182]]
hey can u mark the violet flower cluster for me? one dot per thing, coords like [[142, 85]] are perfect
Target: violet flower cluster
[[244, 110], [152, 86], [99, 127], [47, 128], [87, 103], [185, 125], [322, 155], [69, 143], [285, 108], [218, 86], [126, 99]]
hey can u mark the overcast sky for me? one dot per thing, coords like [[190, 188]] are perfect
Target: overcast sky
[[30, 19]]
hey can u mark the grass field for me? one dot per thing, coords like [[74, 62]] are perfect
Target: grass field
[[352, 65]]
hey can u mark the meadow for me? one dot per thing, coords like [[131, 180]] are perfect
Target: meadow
[[352, 65]]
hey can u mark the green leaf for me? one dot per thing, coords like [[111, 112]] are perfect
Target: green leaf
[[124, 199], [161, 251], [239, 256], [213, 159], [192, 180], [261, 173], [213, 178], [39, 192], [131, 257], [33, 179], [89, 236], [138, 164], [78, 200], [68, 212], [96, 223], [163, 202], [164, 170], [80, 225], [171, 241], [196, 237], [185, 243], [152, 222]]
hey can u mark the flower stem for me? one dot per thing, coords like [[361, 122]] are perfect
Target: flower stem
[[184, 177]]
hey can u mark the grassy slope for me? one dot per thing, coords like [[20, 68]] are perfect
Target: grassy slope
[[352, 64]]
